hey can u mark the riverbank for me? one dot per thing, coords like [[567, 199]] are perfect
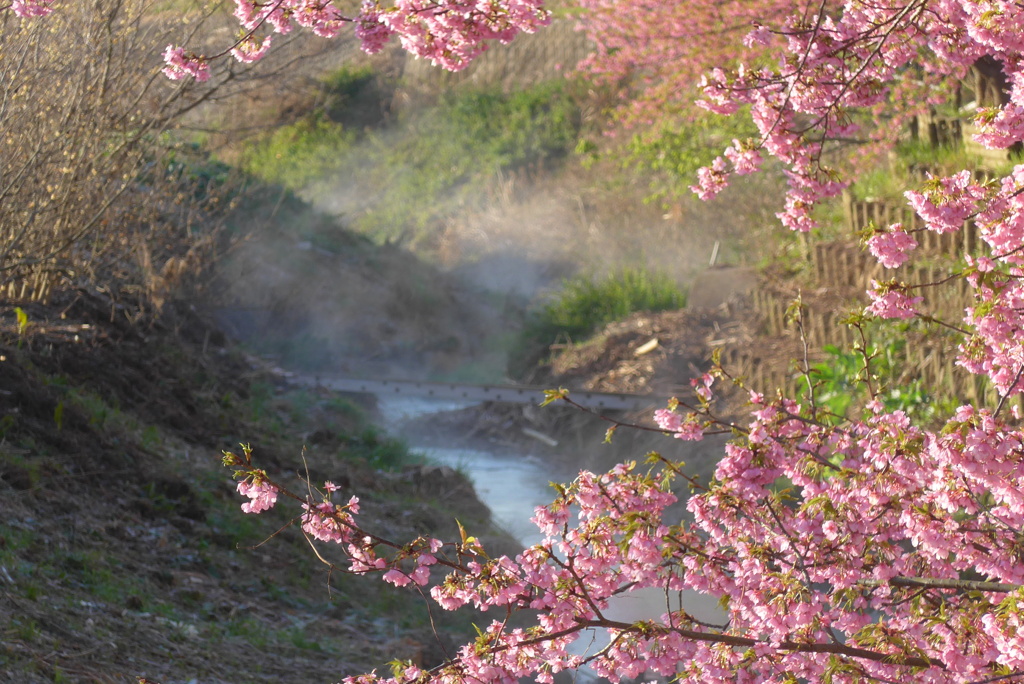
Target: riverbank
[[123, 550]]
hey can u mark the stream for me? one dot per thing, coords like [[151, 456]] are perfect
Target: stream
[[512, 486]]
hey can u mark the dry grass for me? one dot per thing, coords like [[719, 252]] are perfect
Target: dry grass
[[82, 186]]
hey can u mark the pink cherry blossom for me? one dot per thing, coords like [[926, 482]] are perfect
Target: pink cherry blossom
[[891, 300], [947, 202], [372, 32], [396, 577], [183, 65], [892, 247], [262, 492], [251, 50], [711, 179], [745, 157], [327, 522], [702, 386], [32, 8], [449, 33]]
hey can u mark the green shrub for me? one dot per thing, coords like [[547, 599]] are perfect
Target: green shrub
[[511, 130], [347, 82], [357, 97], [380, 451], [840, 388]]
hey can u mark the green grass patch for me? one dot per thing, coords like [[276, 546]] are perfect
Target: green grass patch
[[449, 155], [281, 415], [380, 451], [585, 305], [298, 154]]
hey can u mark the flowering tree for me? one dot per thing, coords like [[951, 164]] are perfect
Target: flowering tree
[[868, 550], [841, 551], [646, 52], [647, 47], [450, 33]]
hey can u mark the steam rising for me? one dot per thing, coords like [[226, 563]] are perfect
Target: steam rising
[[443, 294]]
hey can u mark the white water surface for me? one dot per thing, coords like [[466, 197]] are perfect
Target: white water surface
[[511, 486]]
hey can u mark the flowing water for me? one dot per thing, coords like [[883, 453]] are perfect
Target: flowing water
[[512, 487]]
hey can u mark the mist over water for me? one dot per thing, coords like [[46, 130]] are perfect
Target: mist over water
[[422, 248]]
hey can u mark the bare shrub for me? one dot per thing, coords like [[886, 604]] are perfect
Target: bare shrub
[[85, 197]]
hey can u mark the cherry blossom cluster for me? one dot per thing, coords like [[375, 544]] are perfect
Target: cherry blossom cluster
[[945, 203], [447, 32], [880, 527], [837, 62], [833, 63], [250, 49], [993, 326], [656, 40], [712, 179], [892, 299], [262, 494], [996, 347], [688, 427], [31, 8], [328, 522], [181, 64], [450, 33], [891, 246]]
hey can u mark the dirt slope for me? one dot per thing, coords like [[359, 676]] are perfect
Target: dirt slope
[[123, 552]]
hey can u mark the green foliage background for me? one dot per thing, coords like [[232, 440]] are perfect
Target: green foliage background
[[411, 171]]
